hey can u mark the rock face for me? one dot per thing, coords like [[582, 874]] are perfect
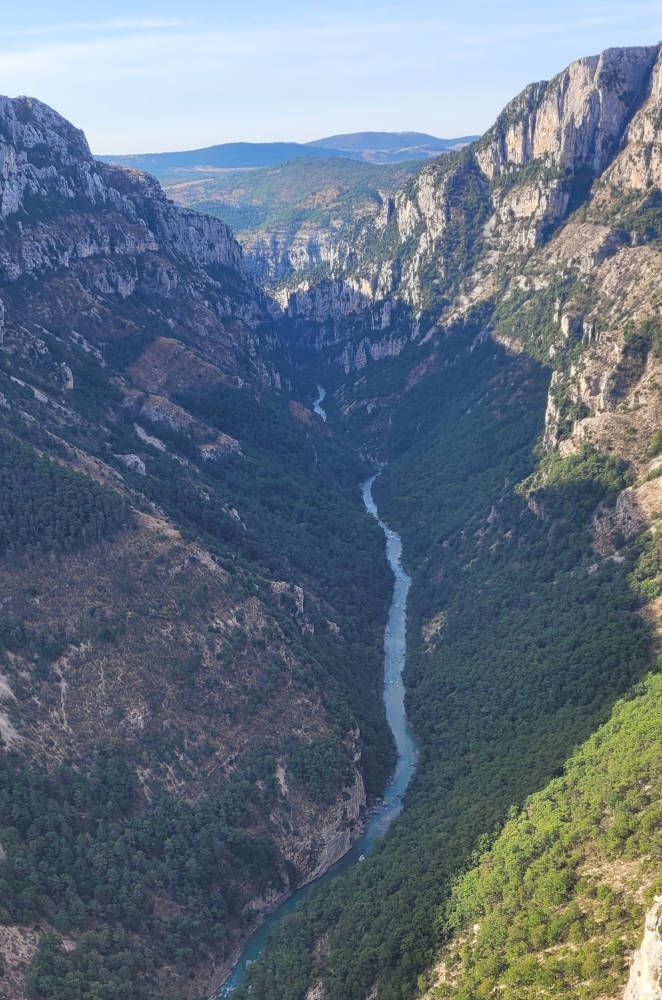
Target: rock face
[[341, 827], [436, 243], [330, 298], [85, 228], [644, 982], [43, 158], [574, 121], [323, 838], [272, 258]]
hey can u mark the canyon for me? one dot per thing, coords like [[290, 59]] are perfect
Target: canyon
[[191, 658]]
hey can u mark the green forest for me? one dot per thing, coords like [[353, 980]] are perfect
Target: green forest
[[553, 917], [518, 646], [47, 507], [141, 880], [84, 856]]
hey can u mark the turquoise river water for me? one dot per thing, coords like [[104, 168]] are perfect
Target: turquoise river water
[[317, 405], [391, 803]]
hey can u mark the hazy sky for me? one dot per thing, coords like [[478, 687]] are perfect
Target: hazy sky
[[152, 76]]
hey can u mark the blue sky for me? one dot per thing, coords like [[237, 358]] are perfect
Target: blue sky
[[147, 76]]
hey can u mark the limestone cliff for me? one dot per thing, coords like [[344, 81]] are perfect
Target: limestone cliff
[[273, 257], [88, 230], [644, 982], [575, 121], [43, 157], [470, 229]]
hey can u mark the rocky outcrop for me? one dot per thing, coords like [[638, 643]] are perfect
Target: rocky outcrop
[[100, 237], [317, 992], [273, 257], [574, 121], [341, 826], [46, 166], [326, 299], [325, 837], [639, 166], [436, 245], [646, 970]]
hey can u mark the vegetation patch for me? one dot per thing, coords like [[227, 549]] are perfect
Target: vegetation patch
[[569, 489], [47, 507], [323, 768], [554, 908], [148, 885]]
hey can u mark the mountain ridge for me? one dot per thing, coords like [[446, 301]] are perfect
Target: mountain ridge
[[170, 655], [255, 154]]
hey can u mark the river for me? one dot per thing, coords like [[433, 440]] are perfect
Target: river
[[317, 403], [391, 803]]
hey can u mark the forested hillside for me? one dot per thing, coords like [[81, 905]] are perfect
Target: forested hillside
[[190, 668], [492, 335], [554, 908]]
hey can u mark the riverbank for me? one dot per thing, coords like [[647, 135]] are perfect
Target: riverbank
[[390, 805]]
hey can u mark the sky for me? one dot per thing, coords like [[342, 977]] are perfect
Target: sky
[[154, 76]]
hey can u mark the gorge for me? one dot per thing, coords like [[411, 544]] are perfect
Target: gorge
[[194, 595], [390, 803]]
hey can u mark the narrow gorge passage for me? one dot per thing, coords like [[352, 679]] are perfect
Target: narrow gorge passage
[[390, 805]]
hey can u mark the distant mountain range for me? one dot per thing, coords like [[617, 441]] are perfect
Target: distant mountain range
[[373, 147], [391, 147]]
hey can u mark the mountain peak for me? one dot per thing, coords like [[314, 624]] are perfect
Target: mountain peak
[[29, 124], [576, 119]]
